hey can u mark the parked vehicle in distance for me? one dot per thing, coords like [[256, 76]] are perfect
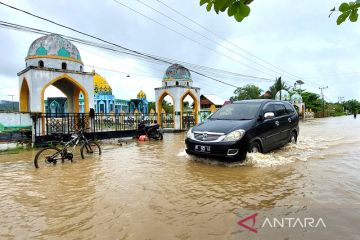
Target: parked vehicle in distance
[[244, 126], [151, 131]]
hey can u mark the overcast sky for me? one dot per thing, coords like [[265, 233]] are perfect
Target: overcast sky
[[295, 36]]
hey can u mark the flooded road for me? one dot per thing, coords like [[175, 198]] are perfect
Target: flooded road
[[153, 190]]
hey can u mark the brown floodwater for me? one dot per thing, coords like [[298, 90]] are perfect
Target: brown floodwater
[[153, 190]]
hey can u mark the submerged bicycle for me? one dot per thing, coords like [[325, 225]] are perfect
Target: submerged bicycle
[[51, 155]]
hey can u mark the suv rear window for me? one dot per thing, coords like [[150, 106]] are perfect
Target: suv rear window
[[269, 107], [280, 110], [289, 108]]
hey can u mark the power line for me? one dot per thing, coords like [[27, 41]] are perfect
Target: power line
[[127, 51], [206, 37], [224, 39], [139, 54], [146, 57], [191, 39]]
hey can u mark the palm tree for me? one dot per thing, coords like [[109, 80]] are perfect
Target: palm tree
[[278, 85]]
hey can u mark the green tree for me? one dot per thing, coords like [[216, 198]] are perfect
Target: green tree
[[348, 10], [352, 105], [278, 85], [239, 9], [312, 101], [152, 105], [247, 92], [168, 107]]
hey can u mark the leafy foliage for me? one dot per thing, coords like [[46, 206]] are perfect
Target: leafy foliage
[[152, 105], [278, 85], [348, 10], [312, 101], [352, 105], [167, 106], [9, 106], [238, 9], [247, 92]]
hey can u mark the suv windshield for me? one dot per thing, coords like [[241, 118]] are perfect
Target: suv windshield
[[237, 111]]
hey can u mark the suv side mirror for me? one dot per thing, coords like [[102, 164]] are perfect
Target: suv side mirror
[[269, 115]]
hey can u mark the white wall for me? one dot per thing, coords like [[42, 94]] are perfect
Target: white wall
[[38, 78]]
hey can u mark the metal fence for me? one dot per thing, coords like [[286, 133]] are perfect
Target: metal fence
[[98, 125], [188, 120]]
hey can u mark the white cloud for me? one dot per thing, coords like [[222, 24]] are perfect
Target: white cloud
[[296, 36]]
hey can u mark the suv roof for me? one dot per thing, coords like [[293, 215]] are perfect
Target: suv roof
[[256, 100]]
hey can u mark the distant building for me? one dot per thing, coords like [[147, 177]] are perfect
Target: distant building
[[210, 102], [56, 105], [104, 100], [266, 95], [9, 106], [140, 104]]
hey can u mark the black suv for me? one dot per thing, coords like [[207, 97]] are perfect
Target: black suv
[[244, 126]]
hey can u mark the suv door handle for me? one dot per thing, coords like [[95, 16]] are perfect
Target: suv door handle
[[277, 123], [289, 119]]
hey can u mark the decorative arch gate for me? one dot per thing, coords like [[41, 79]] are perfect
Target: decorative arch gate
[[179, 119]]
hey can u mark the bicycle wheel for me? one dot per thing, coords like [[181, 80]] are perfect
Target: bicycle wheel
[[48, 157], [90, 149]]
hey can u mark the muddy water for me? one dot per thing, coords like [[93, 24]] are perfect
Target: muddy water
[[152, 190]]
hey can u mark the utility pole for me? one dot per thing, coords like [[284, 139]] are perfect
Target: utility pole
[[12, 100], [322, 96], [342, 101]]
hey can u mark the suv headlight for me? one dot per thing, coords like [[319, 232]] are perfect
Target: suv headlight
[[234, 136], [190, 134]]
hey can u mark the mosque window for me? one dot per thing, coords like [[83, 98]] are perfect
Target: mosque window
[[177, 83], [41, 63], [63, 66], [41, 51], [63, 52], [81, 68]]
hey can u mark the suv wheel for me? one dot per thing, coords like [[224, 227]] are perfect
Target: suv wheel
[[293, 137], [255, 147]]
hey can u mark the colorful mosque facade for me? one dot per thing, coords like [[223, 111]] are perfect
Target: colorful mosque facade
[[104, 101], [140, 104]]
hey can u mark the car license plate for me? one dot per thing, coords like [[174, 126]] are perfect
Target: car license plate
[[201, 148]]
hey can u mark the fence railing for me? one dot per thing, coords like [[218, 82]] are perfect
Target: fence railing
[[68, 123]]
